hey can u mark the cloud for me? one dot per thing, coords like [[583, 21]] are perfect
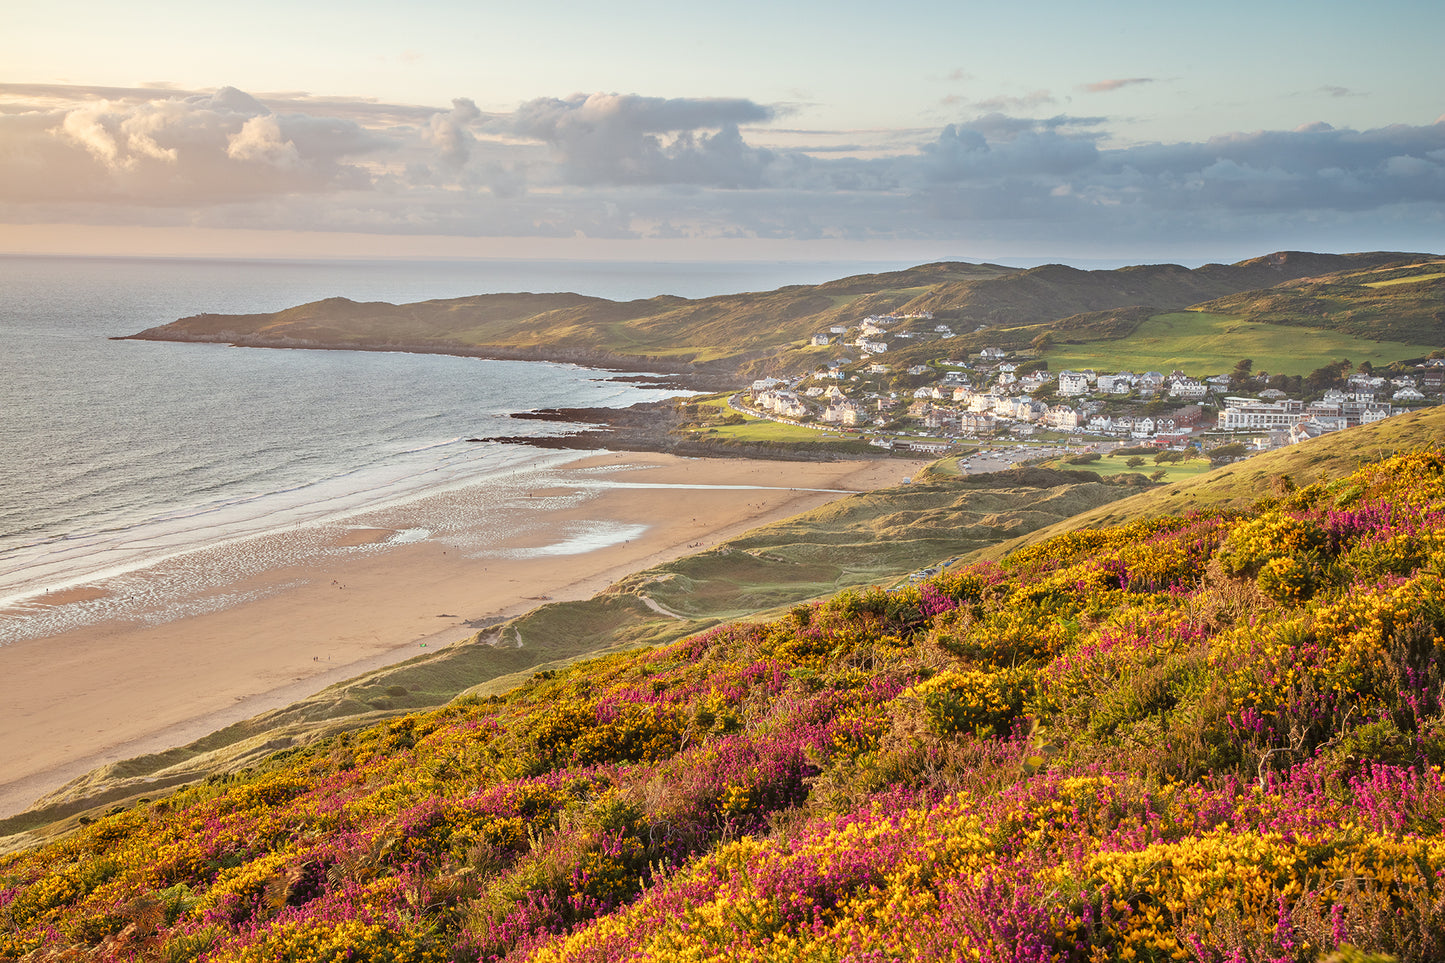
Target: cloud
[[625, 165], [618, 139], [1109, 86], [168, 148], [451, 134], [997, 146], [260, 140]]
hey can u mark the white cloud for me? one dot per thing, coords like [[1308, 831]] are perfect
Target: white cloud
[[626, 139], [260, 140], [610, 165]]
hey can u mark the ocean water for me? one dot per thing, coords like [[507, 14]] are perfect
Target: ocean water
[[119, 457]]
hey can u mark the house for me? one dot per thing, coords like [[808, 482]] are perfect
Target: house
[[1117, 384], [1408, 394], [872, 347], [1062, 416], [983, 402], [843, 413], [1188, 388], [940, 418], [1073, 383], [783, 403], [976, 424], [821, 340], [1187, 416], [1375, 413], [1035, 380], [993, 354]]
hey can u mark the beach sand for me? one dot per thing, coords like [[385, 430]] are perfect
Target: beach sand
[[83, 698]]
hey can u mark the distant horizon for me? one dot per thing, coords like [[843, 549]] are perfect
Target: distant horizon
[[882, 263]]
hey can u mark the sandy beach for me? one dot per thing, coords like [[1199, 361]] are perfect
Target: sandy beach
[[378, 592]]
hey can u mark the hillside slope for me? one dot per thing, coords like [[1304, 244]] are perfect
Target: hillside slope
[[1213, 736], [742, 332]]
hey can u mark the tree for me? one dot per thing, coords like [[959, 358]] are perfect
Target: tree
[[1328, 376], [1242, 369], [1226, 453], [1134, 461]]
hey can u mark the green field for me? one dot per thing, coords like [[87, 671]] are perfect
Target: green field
[[763, 431], [1108, 466], [1202, 344], [1407, 280]]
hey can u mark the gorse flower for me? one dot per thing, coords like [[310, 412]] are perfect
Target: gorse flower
[[1213, 737]]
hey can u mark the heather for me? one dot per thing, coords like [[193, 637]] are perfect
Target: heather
[[1214, 736]]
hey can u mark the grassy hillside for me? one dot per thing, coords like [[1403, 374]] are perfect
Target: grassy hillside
[[752, 332], [1214, 736], [1401, 303], [1202, 343]]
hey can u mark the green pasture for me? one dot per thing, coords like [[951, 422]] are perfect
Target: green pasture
[[1201, 344], [1406, 280], [761, 430], [1107, 467]]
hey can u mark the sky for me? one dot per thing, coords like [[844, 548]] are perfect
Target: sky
[[752, 130]]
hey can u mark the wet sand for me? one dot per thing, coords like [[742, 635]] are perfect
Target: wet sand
[[82, 698]]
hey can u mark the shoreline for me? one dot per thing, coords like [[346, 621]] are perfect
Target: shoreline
[[86, 697], [670, 373]]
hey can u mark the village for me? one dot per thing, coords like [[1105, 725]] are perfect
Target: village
[[998, 395]]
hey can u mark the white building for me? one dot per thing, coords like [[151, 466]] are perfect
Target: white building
[[1062, 416], [1073, 383], [1247, 414], [1188, 389]]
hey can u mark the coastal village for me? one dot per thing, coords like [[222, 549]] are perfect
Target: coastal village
[[999, 394]]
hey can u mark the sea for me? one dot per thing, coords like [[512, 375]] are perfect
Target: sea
[[121, 459]]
